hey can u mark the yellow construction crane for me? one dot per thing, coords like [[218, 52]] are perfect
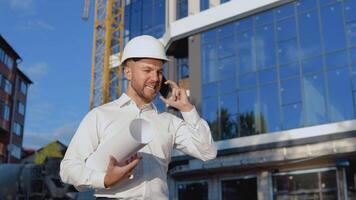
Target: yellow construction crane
[[108, 40]]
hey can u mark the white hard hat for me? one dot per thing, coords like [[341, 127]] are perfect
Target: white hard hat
[[143, 46]]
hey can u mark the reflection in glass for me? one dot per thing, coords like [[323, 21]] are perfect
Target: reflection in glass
[[290, 91], [210, 112], [285, 11], [269, 103], [226, 68], [226, 47], [287, 51], [351, 33], [337, 59], [314, 94], [247, 108], [292, 116], [267, 76], [265, 46], [309, 34], [245, 50], [333, 30], [287, 65], [247, 80], [312, 65], [350, 10], [290, 70], [286, 29], [340, 95], [310, 185]]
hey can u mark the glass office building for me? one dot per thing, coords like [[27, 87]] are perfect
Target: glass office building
[[276, 81]]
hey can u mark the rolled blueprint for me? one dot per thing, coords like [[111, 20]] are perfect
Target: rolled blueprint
[[122, 145]]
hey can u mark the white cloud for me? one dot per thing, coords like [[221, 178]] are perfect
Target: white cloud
[[23, 5], [37, 139], [37, 70], [36, 25]]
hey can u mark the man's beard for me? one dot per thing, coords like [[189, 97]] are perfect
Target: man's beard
[[141, 93]]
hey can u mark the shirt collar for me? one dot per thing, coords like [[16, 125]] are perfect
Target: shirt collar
[[125, 100]]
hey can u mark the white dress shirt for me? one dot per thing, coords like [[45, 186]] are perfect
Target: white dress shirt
[[191, 136]]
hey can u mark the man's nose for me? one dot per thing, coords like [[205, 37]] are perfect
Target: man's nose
[[155, 76]]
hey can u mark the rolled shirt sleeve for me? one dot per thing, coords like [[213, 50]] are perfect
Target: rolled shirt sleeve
[[193, 136], [84, 142]]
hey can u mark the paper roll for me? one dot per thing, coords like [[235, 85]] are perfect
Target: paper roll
[[122, 145]]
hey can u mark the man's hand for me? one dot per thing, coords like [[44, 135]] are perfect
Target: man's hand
[[178, 99], [119, 171]]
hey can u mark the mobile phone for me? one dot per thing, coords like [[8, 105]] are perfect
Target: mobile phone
[[165, 88]]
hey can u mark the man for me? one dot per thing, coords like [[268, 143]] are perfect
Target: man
[[144, 175]]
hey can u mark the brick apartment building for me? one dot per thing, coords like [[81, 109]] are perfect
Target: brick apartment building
[[13, 94]]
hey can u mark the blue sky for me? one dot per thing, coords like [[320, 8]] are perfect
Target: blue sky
[[55, 46]]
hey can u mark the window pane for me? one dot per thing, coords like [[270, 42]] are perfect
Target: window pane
[[333, 29], [335, 60], [340, 95], [227, 67], [350, 10], [210, 90], [264, 18], [290, 91], [270, 120], [228, 86], [287, 51], [246, 52], [225, 30], [204, 5], [265, 46], [351, 33], [309, 34], [247, 80], [314, 93], [210, 114], [244, 24], [353, 55], [182, 8], [292, 116], [209, 36], [289, 70], [285, 11], [196, 191], [304, 5], [228, 111], [286, 29], [226, 47], [246, 188], [267, 76], [312, 65], [247, 109]]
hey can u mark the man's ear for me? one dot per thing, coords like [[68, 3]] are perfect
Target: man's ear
[[127, 71]]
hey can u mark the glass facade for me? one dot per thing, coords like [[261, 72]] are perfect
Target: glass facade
[[144, 17], [204, 5], [182, 9], [288, 67], [308, 185]]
